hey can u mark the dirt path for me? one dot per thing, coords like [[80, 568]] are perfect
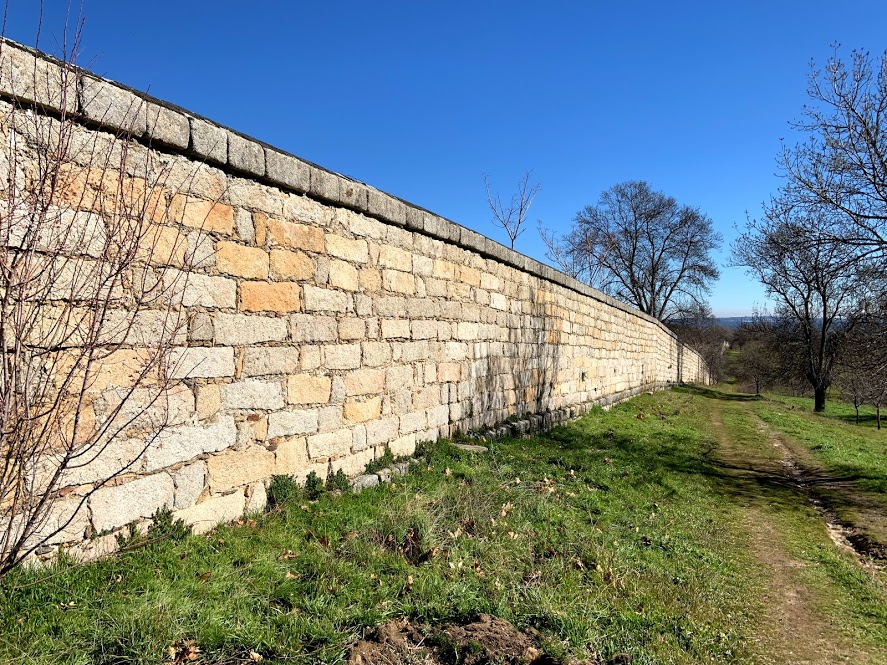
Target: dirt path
[[797, 632]]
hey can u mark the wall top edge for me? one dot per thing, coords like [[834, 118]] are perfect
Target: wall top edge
[[37, 79]]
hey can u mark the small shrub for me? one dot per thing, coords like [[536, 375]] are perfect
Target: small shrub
[[313, 486], [338, 481], [168, 528], [281, 491]]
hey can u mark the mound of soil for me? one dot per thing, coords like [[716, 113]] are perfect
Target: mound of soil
[[487, 640]]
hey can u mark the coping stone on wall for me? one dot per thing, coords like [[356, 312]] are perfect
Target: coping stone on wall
[[117, 107]]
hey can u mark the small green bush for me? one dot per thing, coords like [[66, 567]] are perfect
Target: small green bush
[[338, 481], [281, 491], [313, 486]]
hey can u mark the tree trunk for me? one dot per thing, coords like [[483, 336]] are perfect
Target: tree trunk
[[819, 399], [878, 409], [857, 413]]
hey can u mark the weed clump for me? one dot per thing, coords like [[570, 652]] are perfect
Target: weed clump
[[282, 490]]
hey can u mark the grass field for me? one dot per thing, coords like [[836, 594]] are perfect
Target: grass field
[[618, 534]]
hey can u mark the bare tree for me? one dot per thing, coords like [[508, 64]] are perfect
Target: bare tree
[[89, 307], [642, 247], [818, 288], [512, 215], [842, 166], [569, 255]]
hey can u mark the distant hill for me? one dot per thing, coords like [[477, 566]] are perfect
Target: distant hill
[[733, 322]]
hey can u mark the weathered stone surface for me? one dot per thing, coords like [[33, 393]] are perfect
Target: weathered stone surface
[[201, 251], [201, 362], [235, 468], [291, 456], [202, 290], [35, 80], [235, 259], [212, 511], [295, 236], [252, 394], [356, 251], [246, 155], [209, 141], [286, 170], [355, 464], [180, 444], [267, 361], [325, 300], [256, 499], [168, 127], [329, 444], [111, 106], [280, 297], [291, 423], [343, 275], [113, 507], [366, 481], [189, 482], [311, 328], [246, 230], [365, 382], [243, 330], [382, 431], [291, 265], [342, 356], [361, 411], [308, 389]]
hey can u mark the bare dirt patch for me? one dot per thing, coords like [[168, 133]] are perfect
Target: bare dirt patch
[[487, 640]]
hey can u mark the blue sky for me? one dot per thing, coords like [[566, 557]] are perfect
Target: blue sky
[[421, 99]]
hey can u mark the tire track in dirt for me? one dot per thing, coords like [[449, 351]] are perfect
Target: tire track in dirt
[[795, 632]]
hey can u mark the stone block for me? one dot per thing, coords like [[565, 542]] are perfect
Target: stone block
[[380, 432], [413, 422], [396, 329], [324, 185], [256, 498], [113, 107], [252, 394], [114, 507], [403, 446], [286, 170], [209, 216], [246, 230], [329, 418], [201, 362], [308, 389], [200, 250], [189, 482], [356, 251], [32, 79], [209, 141], [354, 465], [200, 327], [396, 258], [208, 400], [235, 468], [352, 194], [246, 155], [399, 282], [180, 444], [342, 356], [212, 511], [329, 444], [295, 236], [244, 330], [325, 300], [365, 382], [94, 465], [376, 354], [352, 329], [280, 297], [235, 259], [168, 127], [291, 265], [424, 329], [291, 456], [359, 412], [194, 289], [311, 328], [365, 481], [270, 360], [291, 423], [343, 275]]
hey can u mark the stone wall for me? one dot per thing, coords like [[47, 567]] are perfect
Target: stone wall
[[327, 322]]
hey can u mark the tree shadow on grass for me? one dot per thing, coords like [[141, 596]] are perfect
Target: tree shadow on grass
[[711, 393]]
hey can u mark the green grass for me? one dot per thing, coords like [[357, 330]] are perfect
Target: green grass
[[609, 535]]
